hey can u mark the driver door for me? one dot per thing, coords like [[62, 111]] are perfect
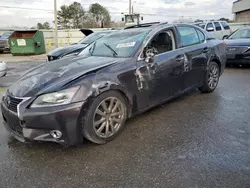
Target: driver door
[[161, 77]]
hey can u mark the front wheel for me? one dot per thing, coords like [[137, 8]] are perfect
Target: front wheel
[[211, 79], [105, 117]]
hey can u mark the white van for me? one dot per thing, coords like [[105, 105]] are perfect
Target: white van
[[220, 29]]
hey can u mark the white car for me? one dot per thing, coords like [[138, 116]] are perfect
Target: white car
[[219, 29], [3, 69]]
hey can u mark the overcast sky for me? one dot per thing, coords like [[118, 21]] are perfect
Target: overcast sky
[[152, 10]]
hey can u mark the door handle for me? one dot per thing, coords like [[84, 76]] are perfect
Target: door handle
[[205, 50], [180, 58]]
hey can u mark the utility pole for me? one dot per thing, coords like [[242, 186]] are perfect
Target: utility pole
[[129, 6], [55, 20]]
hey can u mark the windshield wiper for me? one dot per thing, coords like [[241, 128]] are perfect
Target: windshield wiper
[[91, 50], [109, 47]]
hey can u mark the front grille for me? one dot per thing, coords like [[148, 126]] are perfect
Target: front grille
[[12, 103], [3, 42]]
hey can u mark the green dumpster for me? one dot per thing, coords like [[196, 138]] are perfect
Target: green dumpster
[[27, 42]]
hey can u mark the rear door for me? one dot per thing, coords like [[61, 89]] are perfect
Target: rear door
[[226, 29], [196, 52]]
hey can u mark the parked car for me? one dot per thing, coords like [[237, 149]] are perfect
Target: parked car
[[219, 29], [74, 49], [238, 47], [118, 76], [3, 69], [4, 43]]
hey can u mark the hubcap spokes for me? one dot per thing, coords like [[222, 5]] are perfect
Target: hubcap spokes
[[108, 117], [213, 77]]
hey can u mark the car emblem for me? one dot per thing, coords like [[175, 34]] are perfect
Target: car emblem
[[232, 49]]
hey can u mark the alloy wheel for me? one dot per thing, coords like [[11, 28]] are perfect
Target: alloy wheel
[[108, 117], [213, 76]]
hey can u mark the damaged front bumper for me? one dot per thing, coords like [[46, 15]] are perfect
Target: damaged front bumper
[[56, 124]]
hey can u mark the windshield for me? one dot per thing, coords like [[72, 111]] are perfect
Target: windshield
[[241, 34], [92, 37], [7, 34], [118, 44]]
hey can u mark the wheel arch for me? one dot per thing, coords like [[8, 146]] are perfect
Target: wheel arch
[[118, 88], [216, 60]]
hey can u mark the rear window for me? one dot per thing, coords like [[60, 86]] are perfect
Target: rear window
[[225, 25], [201, 36], [217, 26], [189, 36]]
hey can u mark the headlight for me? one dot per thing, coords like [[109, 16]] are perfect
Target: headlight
[[56, 98]]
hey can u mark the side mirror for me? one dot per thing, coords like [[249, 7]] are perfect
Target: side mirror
[[123, 19], [149, 54], [142, 18], [210, 29], [225, 37]]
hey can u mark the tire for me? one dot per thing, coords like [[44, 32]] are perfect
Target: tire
[[211, 79], [100, 126]]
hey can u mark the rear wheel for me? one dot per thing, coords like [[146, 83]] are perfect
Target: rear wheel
[[211, 79], [105, 118]]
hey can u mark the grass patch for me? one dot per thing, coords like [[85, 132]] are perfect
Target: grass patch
[[2, 89]]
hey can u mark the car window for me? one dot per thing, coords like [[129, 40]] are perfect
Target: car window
[[209, 25], [225, 25], [217, 26], [240, 34], [189, 36], [201, 36], [163, 42], [117, 44]]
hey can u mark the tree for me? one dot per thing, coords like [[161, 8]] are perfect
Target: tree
[[225, 19], [64, 17], [198, 20], [100, 14], [77, 15], [45, 25]]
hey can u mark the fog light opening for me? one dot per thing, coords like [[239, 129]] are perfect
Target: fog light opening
[[56, 134]]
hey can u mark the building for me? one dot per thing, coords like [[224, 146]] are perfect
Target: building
[[241, 10]]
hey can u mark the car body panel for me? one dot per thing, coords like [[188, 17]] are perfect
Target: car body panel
[[143, 84], [238, 49]]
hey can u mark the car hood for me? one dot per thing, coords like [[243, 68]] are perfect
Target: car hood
[[66, 49], [57, 74], [238, 42]]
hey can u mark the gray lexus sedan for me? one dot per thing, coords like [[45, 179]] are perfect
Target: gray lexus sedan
[[120, 75]]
